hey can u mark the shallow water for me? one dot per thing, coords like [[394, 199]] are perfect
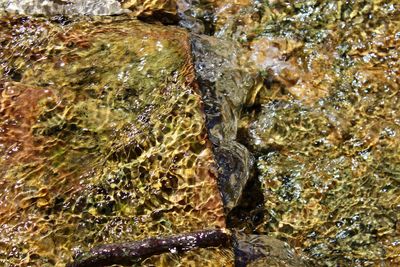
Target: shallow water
[[301, 102], [324, 127], [322, 122], [103, 140]]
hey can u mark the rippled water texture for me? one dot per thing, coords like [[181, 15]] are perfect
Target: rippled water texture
[[120, 130], [102, 140], [325, 127]]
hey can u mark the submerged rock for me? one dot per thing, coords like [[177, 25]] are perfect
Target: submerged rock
[[324, 124], [224, 85], [103, 140], [261, 250]]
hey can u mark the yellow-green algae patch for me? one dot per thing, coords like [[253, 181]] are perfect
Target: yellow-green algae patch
[[102, 139]]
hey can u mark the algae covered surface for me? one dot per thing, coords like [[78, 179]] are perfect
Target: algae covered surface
[[102, 140], [324, 125], [105, 135]]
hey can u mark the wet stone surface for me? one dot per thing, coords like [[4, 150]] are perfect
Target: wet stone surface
[[103, 140], [301, 102], [323, 126]]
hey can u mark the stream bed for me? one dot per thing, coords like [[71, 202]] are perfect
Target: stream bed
[[278, 121]]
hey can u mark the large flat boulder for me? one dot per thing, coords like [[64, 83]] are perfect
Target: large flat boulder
[[102, 140]]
